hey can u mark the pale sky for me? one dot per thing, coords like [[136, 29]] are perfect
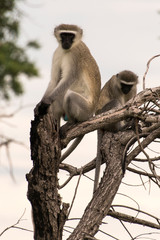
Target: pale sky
[[121, 34]]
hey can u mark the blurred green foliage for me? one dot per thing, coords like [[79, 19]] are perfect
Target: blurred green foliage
[[13, 58]]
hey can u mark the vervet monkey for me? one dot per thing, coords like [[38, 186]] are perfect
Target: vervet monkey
[[115, 93], [75, 84], [120, 87]]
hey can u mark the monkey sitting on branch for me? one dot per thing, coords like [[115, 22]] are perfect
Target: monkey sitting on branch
[[115, 93], [75, 84]]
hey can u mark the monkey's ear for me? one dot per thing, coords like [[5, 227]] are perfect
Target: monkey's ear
[[117, 75]]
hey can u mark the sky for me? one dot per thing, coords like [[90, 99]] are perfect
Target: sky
[[121, 34]]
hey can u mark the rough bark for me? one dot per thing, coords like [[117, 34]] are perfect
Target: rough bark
[[48, 217], [112, 150]]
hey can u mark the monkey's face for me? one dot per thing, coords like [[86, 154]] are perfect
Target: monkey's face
[[126, 88], [67, 40]]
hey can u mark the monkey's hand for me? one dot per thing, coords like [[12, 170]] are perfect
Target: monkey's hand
[[41, 108]]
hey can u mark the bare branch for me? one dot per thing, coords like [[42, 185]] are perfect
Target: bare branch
[[73, 171], [128, 145], [66, 182], [145, 160], [124, 226], [6, 142], [139, 211], [148, 63], [88, 237], [131, 219], [141, 173], [150, 138], [14, 112], [74, 194], [145, 234], [151, 164], [15, 225], [76, 171], [107, 234]]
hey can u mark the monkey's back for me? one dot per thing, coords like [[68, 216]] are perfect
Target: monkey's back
[[106, 94], [88, 83]]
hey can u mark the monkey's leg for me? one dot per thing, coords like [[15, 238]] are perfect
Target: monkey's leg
[[77, 108], [98, 160]]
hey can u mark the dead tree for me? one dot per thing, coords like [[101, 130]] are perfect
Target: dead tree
[[49, 213]]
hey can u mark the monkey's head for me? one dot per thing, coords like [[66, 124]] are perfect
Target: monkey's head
[[127, 80], [68, 35]]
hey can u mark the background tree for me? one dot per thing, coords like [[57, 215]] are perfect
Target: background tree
[[14, 62], [13, 58]]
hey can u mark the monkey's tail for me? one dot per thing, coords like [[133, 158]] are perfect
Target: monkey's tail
[[98, 160], [71, 148]]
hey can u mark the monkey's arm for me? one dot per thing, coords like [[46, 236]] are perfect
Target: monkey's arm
[[62, 86], [56, 88]]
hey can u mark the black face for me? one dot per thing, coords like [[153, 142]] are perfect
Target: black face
[[67, 40], [126, 88]]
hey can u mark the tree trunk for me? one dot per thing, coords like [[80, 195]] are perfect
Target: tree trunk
[[112, 150], [48, 218]]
